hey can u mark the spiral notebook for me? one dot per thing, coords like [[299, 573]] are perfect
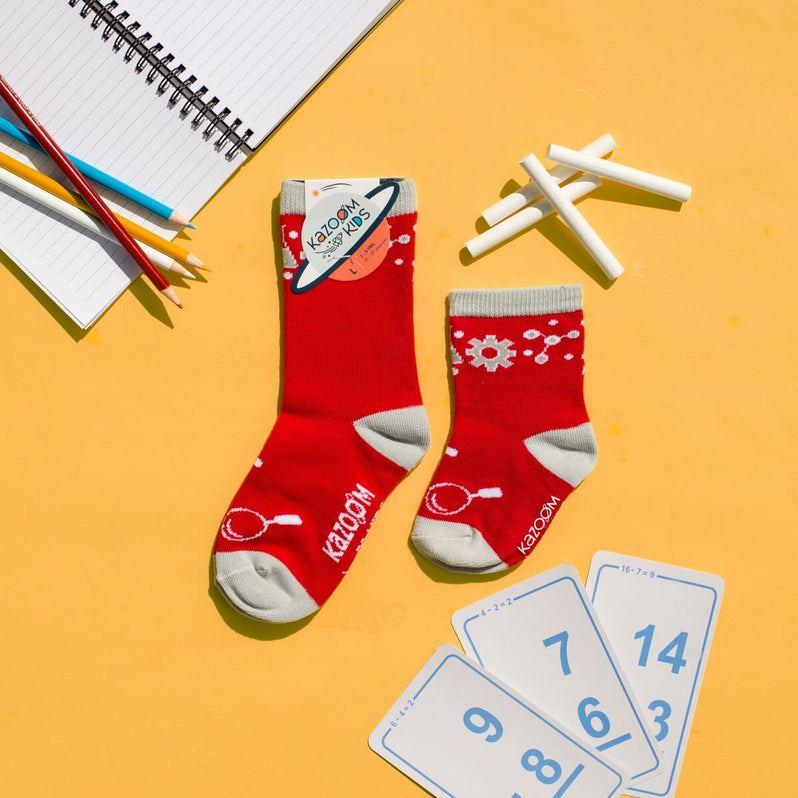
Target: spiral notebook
[[169, 97]]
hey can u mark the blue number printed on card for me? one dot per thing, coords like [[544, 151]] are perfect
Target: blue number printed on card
[[547, 771], [595, 723], [662, 711], [560, 638], [660, 620], [548, 645], [672, 654], [466, 735]]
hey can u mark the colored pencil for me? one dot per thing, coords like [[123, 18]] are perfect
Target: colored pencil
[[85, 220], [51, 186], [103, 178], [86, 191]]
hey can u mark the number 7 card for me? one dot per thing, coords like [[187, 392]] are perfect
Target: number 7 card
[[542, 637], [660, 620]]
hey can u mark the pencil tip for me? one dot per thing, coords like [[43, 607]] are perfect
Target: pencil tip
[[170, 293], [194, 261], [181, 270], [178, 218]]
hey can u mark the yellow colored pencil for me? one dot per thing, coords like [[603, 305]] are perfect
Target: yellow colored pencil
[[136, 230]]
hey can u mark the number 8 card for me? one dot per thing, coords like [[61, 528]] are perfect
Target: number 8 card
[[542, 637], [660, 620], [461, 733]]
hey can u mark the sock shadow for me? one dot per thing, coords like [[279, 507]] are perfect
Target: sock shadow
[[279, 284], [441, 575], [435, 572], [245, 626], [242, 624]]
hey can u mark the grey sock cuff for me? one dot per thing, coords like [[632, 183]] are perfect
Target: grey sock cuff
[[516, 301], [292, 197]]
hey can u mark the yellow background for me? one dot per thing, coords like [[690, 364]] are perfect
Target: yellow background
[[125, 674]]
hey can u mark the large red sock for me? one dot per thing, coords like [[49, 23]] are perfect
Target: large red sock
[[521, 439], [350, 427]]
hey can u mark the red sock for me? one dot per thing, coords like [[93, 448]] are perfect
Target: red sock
[[350, 427], [521, 439]]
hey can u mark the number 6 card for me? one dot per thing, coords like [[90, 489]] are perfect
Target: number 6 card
[[461, 733], [660, 620], [542, 637]]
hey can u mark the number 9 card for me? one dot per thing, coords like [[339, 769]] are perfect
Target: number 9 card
[[459, 732]]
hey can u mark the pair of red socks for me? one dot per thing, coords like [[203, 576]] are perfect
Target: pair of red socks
[[351, 425]]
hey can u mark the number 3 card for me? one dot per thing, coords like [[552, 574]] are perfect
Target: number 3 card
[[461, 733], [542, 637], [660, 620]]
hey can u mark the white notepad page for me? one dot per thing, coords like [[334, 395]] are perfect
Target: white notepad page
[[260, 58], [100, 109]]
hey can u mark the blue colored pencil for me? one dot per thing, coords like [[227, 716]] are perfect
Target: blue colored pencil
[[102, 178]]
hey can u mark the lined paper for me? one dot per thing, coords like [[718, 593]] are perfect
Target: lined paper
[[259, 58]]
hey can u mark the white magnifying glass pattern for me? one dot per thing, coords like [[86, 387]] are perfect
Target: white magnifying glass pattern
[[246, 520], [449, 498]]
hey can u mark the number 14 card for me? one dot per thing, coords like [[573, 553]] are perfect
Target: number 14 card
[[659, 620]]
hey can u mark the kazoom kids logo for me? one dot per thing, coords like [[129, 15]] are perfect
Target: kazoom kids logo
[[347, 222], [335, 228]]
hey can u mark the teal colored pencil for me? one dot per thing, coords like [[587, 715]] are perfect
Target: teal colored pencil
[[102, 178]]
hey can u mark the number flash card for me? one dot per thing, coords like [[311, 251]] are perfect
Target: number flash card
[[660, 620], [461, 733], [542, 637]]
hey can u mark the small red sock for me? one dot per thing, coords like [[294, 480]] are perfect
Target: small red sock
[[521, 439], [350, 427]]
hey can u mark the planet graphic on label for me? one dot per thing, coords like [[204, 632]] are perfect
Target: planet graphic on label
[[367, 257], [345, 236]]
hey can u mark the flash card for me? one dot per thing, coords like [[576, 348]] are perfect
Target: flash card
[[461, 733], [660, 620], [542, 637]]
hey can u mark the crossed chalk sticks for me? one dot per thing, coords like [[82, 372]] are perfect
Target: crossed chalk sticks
[[514, 213]]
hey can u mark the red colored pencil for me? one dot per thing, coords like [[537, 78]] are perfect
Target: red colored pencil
[[86, 191]]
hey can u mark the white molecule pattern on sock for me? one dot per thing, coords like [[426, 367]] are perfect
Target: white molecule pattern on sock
[[548, 341], [490, 352], [404, 238]]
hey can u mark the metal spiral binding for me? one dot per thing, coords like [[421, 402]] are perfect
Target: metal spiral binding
[[160, 70]]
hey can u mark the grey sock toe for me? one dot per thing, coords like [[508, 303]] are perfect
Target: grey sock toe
[[260, 586], [456, 547]]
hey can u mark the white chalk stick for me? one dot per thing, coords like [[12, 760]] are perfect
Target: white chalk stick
[[620, 173], [528, 217], [603, 145], [571, 216]]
